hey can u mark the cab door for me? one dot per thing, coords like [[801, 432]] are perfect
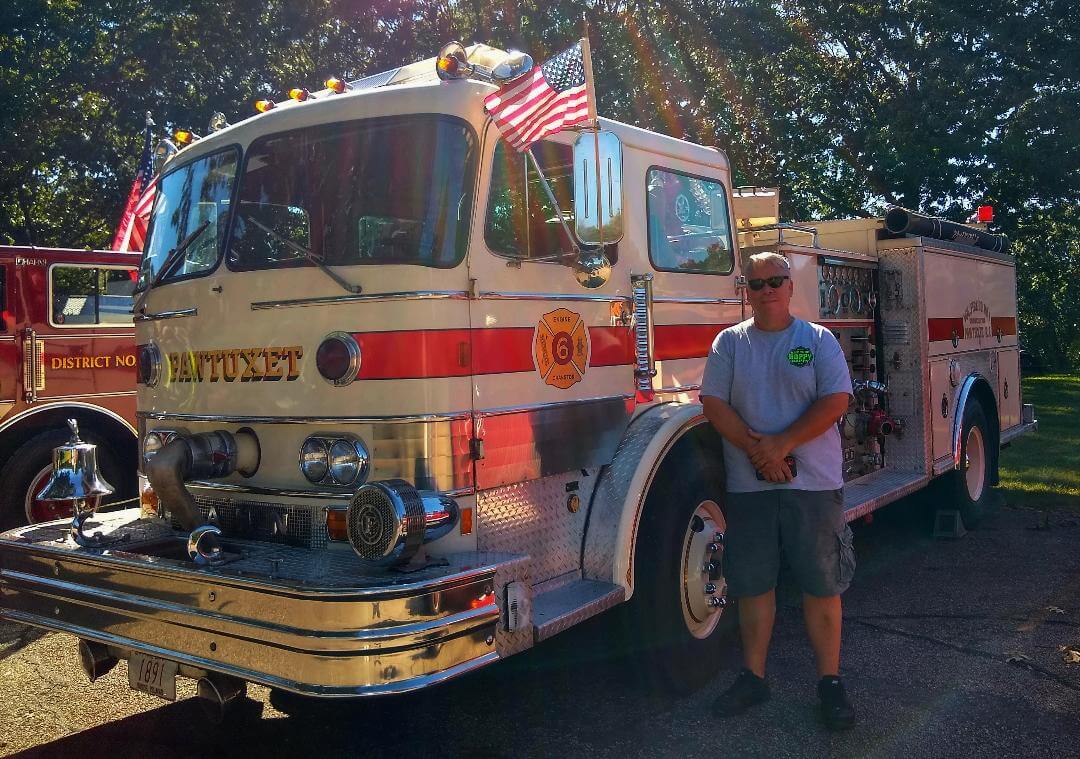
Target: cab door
[[552, 377], [9, 352]]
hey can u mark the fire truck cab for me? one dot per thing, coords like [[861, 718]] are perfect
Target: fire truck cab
[[67, 351], [410, 401]]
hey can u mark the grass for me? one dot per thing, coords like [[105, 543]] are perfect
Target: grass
[[1042, 470]]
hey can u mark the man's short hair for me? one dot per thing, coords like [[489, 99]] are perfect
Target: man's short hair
[[766, 258]]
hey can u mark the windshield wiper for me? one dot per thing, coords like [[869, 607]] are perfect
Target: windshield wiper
[[172, 258], [308, 254]]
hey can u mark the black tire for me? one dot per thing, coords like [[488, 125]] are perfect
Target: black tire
[[24, 466], [654, 617], [974, 431]]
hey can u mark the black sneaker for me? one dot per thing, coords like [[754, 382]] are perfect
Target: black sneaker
[[836, 711], [747, 690]]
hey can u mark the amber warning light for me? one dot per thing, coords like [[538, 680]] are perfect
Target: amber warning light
[[336, 85]]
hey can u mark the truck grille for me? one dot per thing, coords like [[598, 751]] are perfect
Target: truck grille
[[268, 522]]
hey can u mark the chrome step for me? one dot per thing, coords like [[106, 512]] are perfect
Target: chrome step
[[569, 604], [877, 489]]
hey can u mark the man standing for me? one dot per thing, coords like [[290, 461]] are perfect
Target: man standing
[[774, 388]]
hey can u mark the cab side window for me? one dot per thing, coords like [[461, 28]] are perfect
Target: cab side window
[[689, 228], [83, 295], [521, 221]]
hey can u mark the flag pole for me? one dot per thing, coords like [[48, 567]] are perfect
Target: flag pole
[[586, 54], [551, 197]]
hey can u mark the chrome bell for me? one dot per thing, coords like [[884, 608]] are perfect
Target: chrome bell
[[77, 481]]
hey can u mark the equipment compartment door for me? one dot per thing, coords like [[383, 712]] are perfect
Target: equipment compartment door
[[970, 302], [1008, 390], [942, 399]]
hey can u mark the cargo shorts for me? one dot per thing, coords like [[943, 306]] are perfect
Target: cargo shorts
[[806, 526]]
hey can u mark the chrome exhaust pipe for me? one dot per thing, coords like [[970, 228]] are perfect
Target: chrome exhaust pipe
[[218, 695], [95, 659]]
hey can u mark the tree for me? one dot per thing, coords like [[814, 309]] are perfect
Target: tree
[[847, 106]]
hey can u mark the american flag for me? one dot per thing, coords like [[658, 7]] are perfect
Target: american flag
[[554, 95], [131, 232]]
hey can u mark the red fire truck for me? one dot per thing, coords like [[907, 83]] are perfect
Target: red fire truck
[[67, 350], [411, 402]]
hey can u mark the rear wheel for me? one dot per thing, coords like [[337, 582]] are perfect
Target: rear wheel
[[969, 485], [29, 468], [679, 611]]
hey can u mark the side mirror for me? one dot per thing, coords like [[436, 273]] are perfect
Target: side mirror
[[598, 216]]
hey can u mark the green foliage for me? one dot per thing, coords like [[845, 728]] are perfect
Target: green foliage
[[1043, 470], [848, 106]]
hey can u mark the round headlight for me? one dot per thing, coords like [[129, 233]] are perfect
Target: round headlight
[[313, 461], [348, 461], [152, 443]]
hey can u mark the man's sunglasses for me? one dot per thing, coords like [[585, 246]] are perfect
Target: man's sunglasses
[[773, 282]]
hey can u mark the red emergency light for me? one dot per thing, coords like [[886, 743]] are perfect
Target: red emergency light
[[985, 214]]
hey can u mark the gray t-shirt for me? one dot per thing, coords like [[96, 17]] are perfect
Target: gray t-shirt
[[771, 379]]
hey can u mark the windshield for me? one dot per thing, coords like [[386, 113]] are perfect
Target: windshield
[[193, 195], [382, 191]]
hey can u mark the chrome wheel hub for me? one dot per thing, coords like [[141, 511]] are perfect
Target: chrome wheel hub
[[975, 464], [702, 588]]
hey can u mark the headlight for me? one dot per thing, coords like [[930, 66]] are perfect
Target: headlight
[[313, 459], [333, 460], [348, 462]]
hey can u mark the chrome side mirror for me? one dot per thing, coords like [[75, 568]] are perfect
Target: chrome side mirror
[[598, 212], [592, 267]]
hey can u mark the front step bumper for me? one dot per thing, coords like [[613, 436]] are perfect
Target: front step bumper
[[316, 622]]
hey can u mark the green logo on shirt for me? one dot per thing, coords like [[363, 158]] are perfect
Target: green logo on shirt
[[800, 356]]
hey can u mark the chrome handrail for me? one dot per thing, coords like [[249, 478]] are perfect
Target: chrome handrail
[[780, 227]]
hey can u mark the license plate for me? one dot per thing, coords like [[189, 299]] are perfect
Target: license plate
[[152, 675]]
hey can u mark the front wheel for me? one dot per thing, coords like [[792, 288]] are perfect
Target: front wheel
[[679, 610]]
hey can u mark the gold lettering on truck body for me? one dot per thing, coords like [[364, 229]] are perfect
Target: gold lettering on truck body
[[229, 364]]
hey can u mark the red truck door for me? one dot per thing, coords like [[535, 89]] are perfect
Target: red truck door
[[9, 376]]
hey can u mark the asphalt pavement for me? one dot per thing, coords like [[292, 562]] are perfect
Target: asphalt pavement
[[952, 648]]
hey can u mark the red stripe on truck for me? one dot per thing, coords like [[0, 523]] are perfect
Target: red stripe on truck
[[944, 329], [435, 353]]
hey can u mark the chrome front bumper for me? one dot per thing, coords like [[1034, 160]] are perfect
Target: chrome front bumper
[[316, 622]]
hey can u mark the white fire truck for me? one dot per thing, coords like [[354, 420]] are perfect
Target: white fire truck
[[411, 402]]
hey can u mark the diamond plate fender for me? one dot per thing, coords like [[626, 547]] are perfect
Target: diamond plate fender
[[611, 531]]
